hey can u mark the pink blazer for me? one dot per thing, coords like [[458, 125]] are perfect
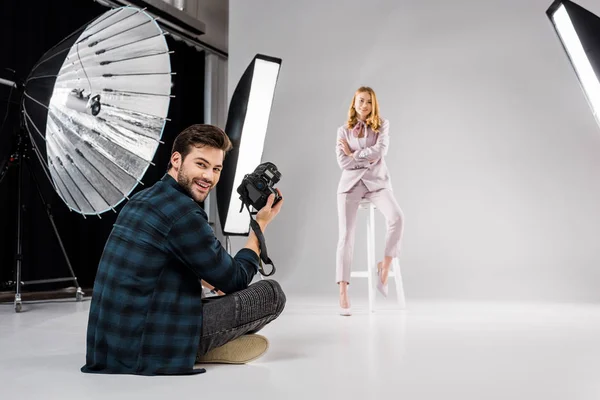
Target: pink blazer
[[357, 166]]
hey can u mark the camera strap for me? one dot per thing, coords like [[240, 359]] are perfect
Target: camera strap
[[264, 257]]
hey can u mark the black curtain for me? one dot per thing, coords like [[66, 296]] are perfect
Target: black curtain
[[27, 30]]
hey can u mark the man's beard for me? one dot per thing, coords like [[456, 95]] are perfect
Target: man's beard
[[188, 184]]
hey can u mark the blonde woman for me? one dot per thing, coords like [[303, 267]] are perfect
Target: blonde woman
[[361, 148]]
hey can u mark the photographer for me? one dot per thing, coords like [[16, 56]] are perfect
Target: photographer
[[147, 316]]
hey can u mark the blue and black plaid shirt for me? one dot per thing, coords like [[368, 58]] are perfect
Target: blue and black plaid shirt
[[146, 310]]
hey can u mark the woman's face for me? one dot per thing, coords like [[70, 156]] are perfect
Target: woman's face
[[362, 104]]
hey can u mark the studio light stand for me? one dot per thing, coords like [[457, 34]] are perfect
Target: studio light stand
[[18, 158], [93, 111]]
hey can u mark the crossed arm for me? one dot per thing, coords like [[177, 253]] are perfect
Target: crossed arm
[[362, 158]]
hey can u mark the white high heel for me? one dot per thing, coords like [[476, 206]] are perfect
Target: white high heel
[[383, 289], [345, 311]]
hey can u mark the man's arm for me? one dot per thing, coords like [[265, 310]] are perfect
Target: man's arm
[[192, 241], [252, 243]]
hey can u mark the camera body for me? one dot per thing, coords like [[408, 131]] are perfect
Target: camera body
[[257, 186]]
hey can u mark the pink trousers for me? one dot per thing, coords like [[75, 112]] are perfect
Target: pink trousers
[[347, 208]]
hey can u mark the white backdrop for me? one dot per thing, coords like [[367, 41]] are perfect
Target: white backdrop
[[494, 153]]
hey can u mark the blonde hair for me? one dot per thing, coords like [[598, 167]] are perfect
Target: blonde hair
[[373, 120]]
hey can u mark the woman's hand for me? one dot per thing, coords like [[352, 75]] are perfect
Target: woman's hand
[[345, 147]]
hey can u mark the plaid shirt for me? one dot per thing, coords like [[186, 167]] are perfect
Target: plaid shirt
[[146, 310]]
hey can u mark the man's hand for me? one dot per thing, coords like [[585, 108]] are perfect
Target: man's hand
[[263, 217], [266, 214], [345, 147], [211, 287]]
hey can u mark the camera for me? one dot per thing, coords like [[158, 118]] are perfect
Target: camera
[[257, 186], [254, 191]]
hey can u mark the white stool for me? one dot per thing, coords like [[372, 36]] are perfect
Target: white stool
[[371, 272]]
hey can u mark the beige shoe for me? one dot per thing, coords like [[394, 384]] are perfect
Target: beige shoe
[[239, 351]]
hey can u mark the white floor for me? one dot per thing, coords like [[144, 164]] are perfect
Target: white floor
[[462, 351]]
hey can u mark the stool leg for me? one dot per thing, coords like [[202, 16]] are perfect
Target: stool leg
[[372, 267], [399, 285]]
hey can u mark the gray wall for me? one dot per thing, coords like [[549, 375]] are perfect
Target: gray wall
[[494, 155]]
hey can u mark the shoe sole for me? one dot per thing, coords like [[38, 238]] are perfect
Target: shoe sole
[[239, 351]]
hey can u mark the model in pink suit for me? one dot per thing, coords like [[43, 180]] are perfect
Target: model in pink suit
[[361, 148]]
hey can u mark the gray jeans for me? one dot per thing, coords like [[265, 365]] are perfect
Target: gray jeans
[[228, 317]]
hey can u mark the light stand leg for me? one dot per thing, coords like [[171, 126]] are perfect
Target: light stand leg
[[48, 209], [18, 304], [20, 159], [3, 173]]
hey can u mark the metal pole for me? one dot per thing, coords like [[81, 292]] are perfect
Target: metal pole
[[19, 232]]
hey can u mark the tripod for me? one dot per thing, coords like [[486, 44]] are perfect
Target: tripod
[[19, 157]]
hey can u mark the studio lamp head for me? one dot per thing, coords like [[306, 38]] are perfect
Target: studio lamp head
[[95, 107], [246, 127], [579, 32]]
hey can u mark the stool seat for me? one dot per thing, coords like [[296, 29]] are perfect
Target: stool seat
[[371, 272]]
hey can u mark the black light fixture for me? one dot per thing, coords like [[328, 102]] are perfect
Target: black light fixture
[[93, 111], [579, 32], [246, 126]]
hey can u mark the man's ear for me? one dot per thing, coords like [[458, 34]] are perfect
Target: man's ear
[[176, 160]]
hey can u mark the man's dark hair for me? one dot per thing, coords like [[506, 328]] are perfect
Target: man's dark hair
[[200, 135]]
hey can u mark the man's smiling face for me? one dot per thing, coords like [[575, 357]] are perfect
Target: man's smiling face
[[199, 171]]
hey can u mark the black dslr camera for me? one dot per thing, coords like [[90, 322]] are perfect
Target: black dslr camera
[[257, 186], [254, 191]]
